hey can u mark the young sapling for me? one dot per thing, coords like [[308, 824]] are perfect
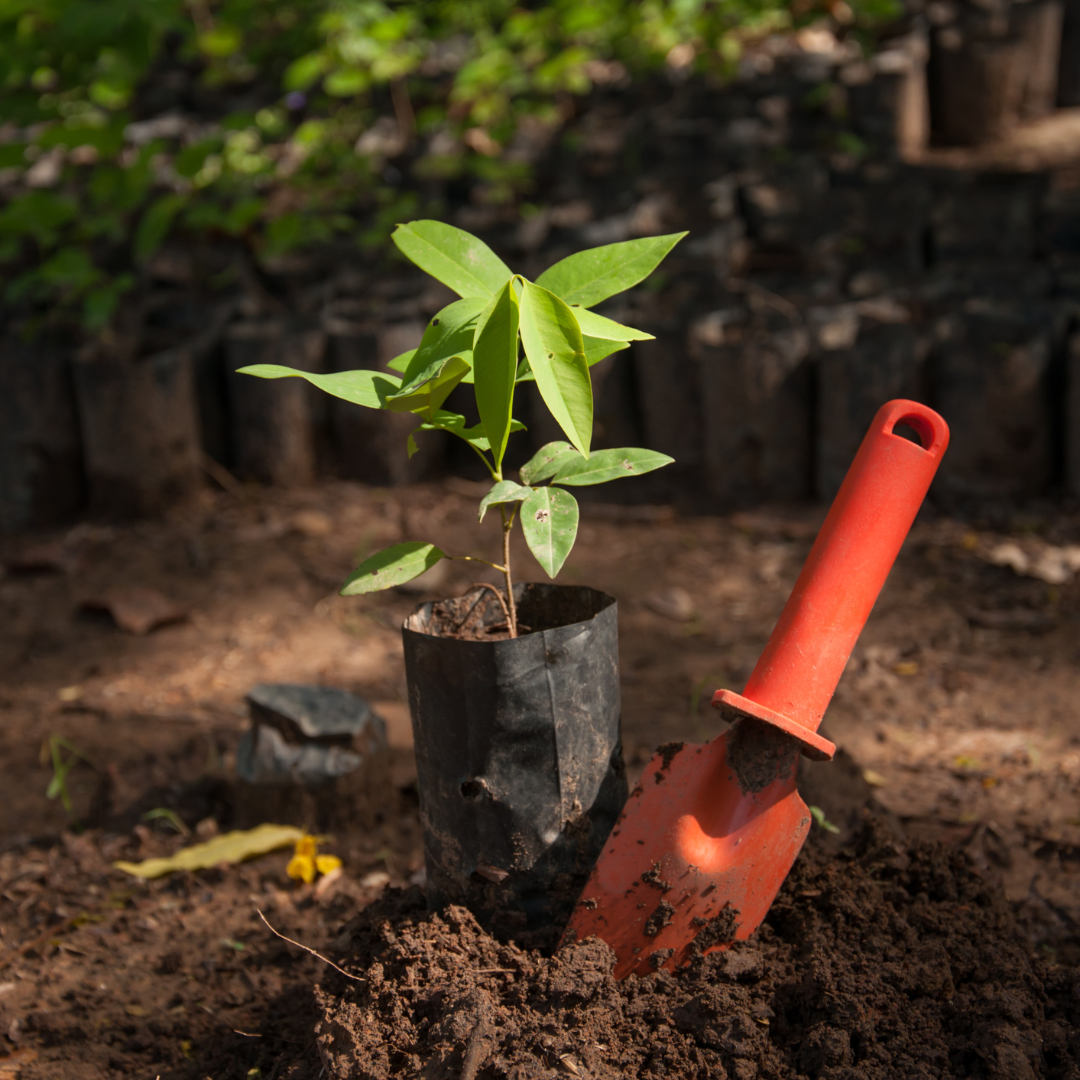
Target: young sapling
[[503, 331]]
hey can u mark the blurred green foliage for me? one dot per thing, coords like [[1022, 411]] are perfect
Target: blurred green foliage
[[272, 122]]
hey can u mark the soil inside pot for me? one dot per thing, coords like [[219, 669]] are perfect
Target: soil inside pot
[[884, 960], [478, 615]]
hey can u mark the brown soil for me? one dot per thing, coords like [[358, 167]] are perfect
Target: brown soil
[[480, 613], [887, 960], [957, 714]]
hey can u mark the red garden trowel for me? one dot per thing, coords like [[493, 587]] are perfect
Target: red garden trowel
[[711, 831]]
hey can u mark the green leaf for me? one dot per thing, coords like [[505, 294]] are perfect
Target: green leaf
[[432, 393], [401, 363], [547, 461], [455, 424], [100, 303], [457, 258], [450, 333], [607, 465], [596, 349], [556, 355], [346, 82], [549, 519], [587, 277], [221, 41], [302, 73], [495, 365], [365, 387], [155, 224], [392, 566], [505, 491], [596, 326]]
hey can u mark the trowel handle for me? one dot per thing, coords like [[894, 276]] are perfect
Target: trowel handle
[[848, 564]]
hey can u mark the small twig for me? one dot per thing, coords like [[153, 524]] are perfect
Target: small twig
[[221, 476], [307, 949], [768, 297], [474, 1054], [499, 597], [403, 109], [460, 625]]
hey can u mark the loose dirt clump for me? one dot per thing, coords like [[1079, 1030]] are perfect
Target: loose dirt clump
[[884, 960]]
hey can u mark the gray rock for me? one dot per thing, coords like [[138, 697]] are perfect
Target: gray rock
[[310, 712], [264, 757]]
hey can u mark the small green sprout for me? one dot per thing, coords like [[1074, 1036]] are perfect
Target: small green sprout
[[61, 766], [820, 819]]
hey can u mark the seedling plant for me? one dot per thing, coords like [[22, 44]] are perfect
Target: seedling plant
[[504, 331], [61, 766]]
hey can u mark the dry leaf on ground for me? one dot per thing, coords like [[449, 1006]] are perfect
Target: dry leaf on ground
[[137, 610], [230, 847], [674, 603]]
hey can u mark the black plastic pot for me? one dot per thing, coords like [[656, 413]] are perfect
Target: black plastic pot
[[518, 750]]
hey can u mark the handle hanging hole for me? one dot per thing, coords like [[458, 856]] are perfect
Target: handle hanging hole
[[915, 429]]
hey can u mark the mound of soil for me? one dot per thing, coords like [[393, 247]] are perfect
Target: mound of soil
[[883, 960]]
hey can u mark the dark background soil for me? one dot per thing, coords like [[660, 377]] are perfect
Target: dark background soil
[[957, 717]]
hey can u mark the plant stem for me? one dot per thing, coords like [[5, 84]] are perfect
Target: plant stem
[[508, 524]]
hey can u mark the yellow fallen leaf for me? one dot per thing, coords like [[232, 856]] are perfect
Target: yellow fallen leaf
[[906, 667], [134, 1010], [874, 779], [230, 847], [307, 861], [302, 865]]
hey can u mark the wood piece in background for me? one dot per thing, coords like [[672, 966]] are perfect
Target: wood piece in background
[[272, 427], [883, 363], [990, 378], [976, 88], [668, 394], [755, 403], [140, 432], [370, 445], [1068, 87], [1038, 24], [41, 473], [1072, 416]]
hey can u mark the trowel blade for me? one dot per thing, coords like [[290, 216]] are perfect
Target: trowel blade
[[705, 842]]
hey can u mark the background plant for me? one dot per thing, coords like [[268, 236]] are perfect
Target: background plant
[[480, 339], [276, 124]]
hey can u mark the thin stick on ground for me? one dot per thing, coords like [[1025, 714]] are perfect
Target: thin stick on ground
[[308, 949]]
